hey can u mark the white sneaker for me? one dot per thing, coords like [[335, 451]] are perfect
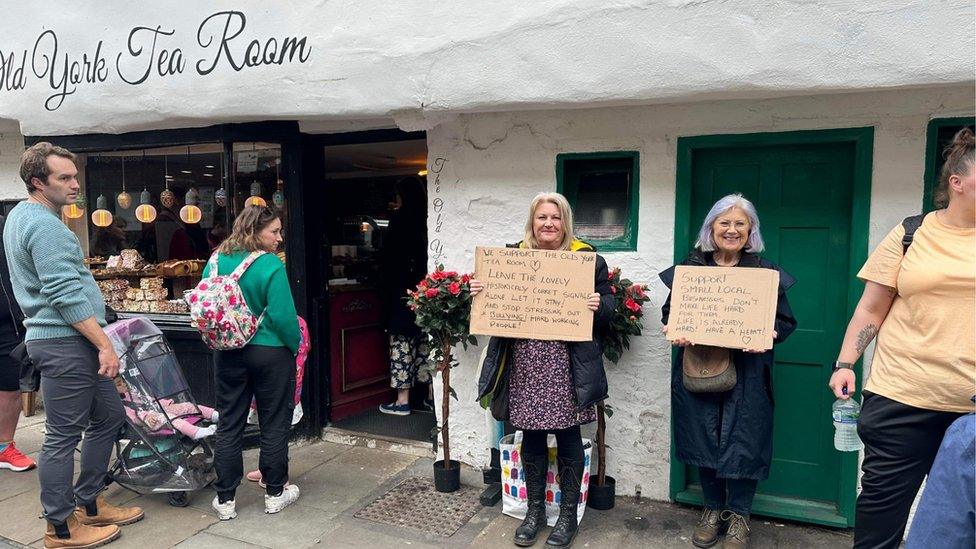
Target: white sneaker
[[226, 510], [274, 504]]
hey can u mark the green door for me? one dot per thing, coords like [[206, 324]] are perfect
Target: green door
[[804, 194]]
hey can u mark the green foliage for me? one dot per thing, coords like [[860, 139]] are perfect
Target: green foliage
[[628, 314], [442, 304]]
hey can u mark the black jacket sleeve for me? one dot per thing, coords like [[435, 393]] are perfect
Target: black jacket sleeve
[[604, 313]]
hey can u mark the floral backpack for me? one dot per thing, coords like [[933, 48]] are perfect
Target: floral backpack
[[218, 310]]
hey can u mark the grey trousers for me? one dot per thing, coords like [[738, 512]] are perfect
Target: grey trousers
[[76, 400]]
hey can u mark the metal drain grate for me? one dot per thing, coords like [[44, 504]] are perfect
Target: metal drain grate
[[416, 505]]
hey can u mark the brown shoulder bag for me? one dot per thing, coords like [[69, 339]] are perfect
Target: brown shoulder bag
[[707, 369]]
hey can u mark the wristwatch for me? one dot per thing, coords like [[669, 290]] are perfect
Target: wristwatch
[[838, 365]]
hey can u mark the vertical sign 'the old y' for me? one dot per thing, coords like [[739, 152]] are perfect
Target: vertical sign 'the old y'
[[533, 294]]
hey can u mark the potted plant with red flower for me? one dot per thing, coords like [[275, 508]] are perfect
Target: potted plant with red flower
[[628, 314], [442, 304]]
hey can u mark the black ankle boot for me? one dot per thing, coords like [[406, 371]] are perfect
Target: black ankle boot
[[570, 479], [534, 468]]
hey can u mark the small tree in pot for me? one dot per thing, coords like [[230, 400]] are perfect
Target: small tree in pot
[[627, 320], [442, 304]]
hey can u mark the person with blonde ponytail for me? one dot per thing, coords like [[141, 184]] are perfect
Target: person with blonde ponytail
[[919, 301]]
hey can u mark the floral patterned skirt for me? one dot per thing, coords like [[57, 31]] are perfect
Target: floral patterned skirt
[[408, 361], [541, 394]]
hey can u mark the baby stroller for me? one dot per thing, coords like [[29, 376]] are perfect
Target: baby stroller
[[161, 448]]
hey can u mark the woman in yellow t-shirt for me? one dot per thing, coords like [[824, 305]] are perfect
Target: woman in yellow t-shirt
[[919, 303]]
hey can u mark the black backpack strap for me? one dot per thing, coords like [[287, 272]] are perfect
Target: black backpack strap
[[910, 224]]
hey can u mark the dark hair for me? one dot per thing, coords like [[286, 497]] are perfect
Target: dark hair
[[959, 160], [413, 194], [244, 235], [33, 163]]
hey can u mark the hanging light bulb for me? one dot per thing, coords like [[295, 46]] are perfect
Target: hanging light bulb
[[76, 210], [145, 212], [220, 197], [191, 212], [255, 198], [166, 198], [124, 199], [101, 217], [278, 198]]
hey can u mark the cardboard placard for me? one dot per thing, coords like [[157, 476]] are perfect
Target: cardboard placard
[[732, 307], [533, 294]]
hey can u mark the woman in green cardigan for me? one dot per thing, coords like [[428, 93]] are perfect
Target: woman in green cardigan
[[264, 368]]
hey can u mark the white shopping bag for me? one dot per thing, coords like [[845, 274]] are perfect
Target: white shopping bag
[[514, 502]]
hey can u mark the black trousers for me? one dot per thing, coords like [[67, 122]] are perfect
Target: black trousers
[[900, 444], [267, 374], [569, 443]]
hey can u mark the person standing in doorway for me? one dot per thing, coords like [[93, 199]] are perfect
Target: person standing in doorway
[[263, 369], [65, 315], [404, 264], [11, 334], [553, 386], [728, 435], [919, 300]]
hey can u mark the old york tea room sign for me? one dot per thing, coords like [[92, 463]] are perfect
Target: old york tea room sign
[[533, 294], [730, 307]]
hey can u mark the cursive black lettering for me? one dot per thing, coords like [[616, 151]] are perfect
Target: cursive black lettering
[[225, 38]]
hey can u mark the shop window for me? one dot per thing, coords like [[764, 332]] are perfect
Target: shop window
[[145, 258], [938, 136], [603, 190]]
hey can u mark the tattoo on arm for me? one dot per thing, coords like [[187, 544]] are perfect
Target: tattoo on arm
[[892, 293], [864, 337]]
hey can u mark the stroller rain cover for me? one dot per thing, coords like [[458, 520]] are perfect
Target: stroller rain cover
[[151, 454]]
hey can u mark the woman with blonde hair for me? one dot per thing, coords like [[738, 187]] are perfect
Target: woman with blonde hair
[[264, 368], [552, 386], [919, 295]]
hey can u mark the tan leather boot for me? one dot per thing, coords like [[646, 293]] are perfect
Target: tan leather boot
[[709, 525], [737, 536], [75, 535], [103, 513]]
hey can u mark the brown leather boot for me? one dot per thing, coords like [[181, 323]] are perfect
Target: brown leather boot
[[103, 513], [72, 534], [709, 525], [737, 536]]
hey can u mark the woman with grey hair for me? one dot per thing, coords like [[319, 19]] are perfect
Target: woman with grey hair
[[728, 435]]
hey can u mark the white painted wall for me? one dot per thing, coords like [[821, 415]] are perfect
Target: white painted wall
[[373, 59], [495, 163], [11, 147]]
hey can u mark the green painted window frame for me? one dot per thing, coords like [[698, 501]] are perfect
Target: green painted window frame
[[932, 154], [863, 140], [627, 242]]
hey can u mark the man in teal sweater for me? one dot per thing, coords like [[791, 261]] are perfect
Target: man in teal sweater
[[64, 319]]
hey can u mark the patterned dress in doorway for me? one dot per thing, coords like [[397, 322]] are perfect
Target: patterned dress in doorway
[[541, 393]]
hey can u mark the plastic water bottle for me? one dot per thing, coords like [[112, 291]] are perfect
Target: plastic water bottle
[[845, 414]]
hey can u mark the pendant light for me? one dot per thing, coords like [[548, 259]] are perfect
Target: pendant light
[[76, 210], [167, 198], [255, 198], [101, 217], [145, 211], [220, 196], [191, 212], [278, 198], [124, 199]]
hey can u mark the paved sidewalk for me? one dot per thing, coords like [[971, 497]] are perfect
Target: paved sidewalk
[[337, 480]]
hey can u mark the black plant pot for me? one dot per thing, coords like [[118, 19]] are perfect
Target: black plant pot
[[447, 480], [601, 497]]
